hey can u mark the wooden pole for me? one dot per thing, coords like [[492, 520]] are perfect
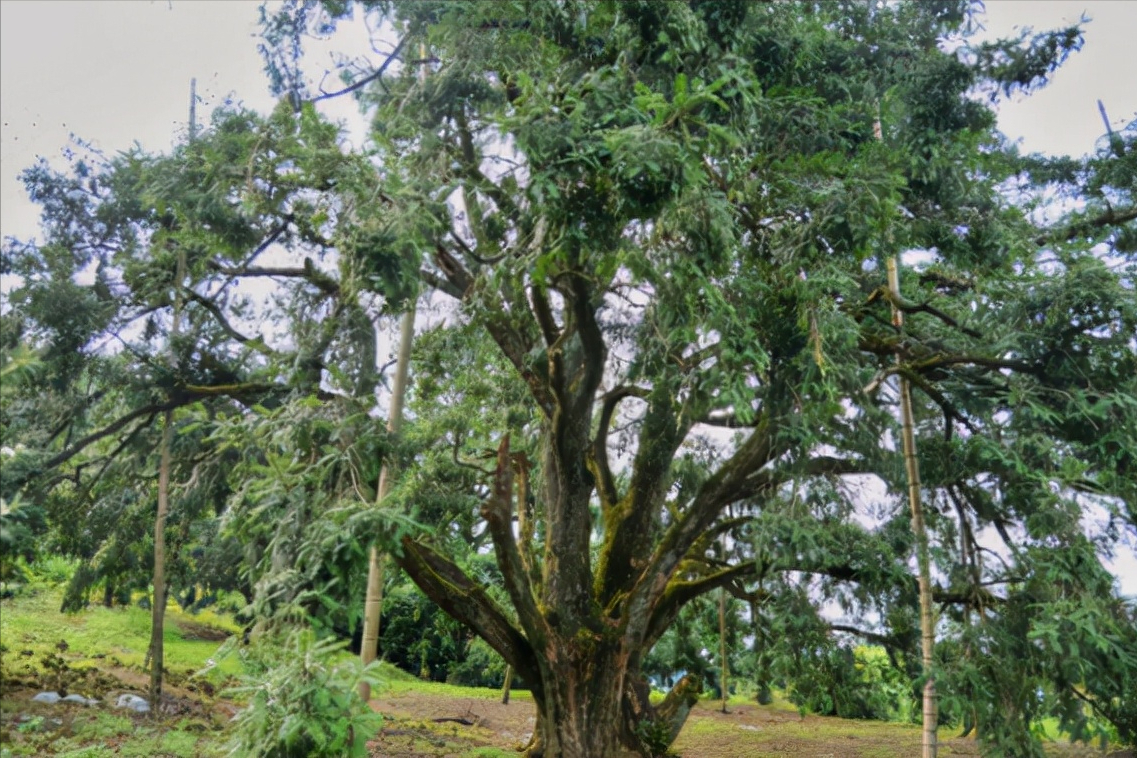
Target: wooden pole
[[373, 604], [369, 649], [722, 644], [505, 688], [912, 468]]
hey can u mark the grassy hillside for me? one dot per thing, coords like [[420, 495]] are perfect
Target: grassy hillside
[[99, 653]]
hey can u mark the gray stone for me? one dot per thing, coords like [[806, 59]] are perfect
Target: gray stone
[[80, 699], [50, 698], [133, 702]]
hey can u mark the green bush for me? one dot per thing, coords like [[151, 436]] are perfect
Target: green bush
[[854, 683], [303, 699]]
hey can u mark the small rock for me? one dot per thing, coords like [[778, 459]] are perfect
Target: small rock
[[134, 703], [51, 698], [80, 699]]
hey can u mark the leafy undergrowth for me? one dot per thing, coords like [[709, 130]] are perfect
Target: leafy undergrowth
[[99, 653]]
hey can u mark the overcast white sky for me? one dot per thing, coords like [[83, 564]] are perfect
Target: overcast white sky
[[116, 72]]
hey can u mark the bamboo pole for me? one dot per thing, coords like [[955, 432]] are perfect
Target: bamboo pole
[[508, 685], [373, 604], [912, 468], [369, 648], [722, 645]]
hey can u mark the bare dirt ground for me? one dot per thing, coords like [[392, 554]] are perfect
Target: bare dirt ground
[[419, 725]]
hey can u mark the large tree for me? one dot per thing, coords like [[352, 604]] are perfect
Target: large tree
[[662, 228], [669, 217]]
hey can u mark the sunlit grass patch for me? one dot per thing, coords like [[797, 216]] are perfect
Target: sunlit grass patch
[[31, 626]]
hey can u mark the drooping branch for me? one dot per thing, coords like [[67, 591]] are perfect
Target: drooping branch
[[933, 360], [265, 244], [679, 592], [239, 390], [724, 419], [80, 445], [744, 476], [110, 457], [898, 302], [437, 282], [510, 339], [883, 640], [468, 602], [950, 411]]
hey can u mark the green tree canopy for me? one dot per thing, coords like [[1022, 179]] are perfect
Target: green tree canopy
[[657, 231]]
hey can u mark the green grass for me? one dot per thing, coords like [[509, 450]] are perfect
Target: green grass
[[114, 640], [90, 733], [119, 635], [398, 682], [104, 647]]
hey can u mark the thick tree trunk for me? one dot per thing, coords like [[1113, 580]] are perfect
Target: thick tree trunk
[[590, 705]]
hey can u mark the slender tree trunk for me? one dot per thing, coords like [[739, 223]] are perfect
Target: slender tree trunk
[[158, 608], [911, 465], [373, 603], [722, 646], [507, 685]]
